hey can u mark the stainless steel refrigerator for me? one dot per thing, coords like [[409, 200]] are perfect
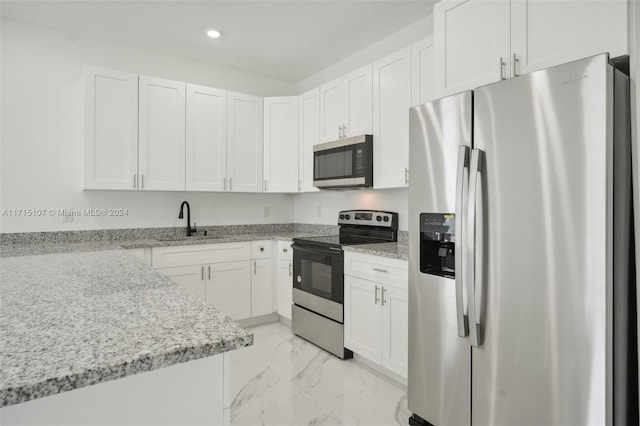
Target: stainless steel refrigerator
[[519, 252]]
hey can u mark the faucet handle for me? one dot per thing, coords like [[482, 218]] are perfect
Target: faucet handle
[[194, 229]]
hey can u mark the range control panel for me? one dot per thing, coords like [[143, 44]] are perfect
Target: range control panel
[[368, 218]]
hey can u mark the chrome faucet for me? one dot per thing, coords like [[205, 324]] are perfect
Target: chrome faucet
[[181, 216]]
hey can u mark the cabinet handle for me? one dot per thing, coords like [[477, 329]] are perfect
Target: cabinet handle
[[202, 272], [376, 296], [284, 250], [142, 184], [380, 270], [515, 65], [299, 185], [339, 132], [290, 269], [406, 176], [382, 288], [224, 182], [502, 64], [265, 185], [135, 181], [230, 184], [209, 272], [254, 267]]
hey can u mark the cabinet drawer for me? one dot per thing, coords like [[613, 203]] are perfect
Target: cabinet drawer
[[380, 269], [284, 250], [164, 257], [261, 249]]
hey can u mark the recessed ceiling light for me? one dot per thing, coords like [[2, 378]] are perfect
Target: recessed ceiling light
[[213, 33]]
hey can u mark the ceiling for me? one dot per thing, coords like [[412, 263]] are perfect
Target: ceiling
[[287, 40]]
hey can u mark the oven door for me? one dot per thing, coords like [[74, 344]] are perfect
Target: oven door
[[319, 271]]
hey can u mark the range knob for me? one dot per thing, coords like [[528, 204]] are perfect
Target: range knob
[[386, 219], [341, 216], [379, 218], [347, 217]]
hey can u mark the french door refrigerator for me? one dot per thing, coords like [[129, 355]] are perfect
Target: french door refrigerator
[[519, 252]]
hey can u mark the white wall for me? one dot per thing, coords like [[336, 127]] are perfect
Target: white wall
[[323, 207], [393, 42], [41, 137]]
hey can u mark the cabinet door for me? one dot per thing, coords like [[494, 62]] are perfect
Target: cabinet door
[[206, 150], [228, 288], [547, 33], [110, 129], [192, 278], [284, 274], [391, 103], [359, 93], [261, 288], [162, 134], [244, 143], [281, 144], [363, 318], [472, 44], [285, 287], [422, 69], [395, 330], [333, 110], [309, 136]]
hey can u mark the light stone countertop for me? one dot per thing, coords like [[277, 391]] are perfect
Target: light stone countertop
[[40, 248], [397, 250], [76, 319]]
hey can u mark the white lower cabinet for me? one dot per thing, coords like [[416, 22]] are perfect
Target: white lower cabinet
[[228, 289], [261, 290], [284, 278], [395, 329], [190, 277], [376, 320], [235, 278], [262, 294], [363, 318]]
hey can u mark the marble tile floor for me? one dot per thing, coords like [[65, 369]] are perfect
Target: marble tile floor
[[284, 380]]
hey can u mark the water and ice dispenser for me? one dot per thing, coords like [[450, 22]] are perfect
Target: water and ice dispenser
[[437, 244]]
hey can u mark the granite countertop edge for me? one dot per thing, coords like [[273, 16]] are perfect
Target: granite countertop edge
[[91, 376], [397, 250], [40, 248]]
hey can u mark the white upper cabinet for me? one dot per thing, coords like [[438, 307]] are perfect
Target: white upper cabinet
[[472, 44], [309, 127], [244, 135], [346, 106], [547, 33], [359, 99], [110, 129], [422, 72], [333, 110], [391, 103], [281, 144], [478, 42], [206, 149], [161, 134]]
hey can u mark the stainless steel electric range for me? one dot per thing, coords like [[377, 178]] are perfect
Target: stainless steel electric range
[[318, 276]]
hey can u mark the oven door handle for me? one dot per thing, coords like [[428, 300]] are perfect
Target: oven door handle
[[316, 250]]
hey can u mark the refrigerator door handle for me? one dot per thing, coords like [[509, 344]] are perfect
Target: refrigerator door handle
[[462, 195], [474, 235]]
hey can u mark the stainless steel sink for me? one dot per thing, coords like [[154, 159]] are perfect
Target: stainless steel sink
[[185, 238]]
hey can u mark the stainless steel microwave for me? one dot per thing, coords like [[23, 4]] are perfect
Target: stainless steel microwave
[[345, 163]]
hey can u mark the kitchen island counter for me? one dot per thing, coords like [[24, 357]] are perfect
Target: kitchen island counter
[[77, 319]]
